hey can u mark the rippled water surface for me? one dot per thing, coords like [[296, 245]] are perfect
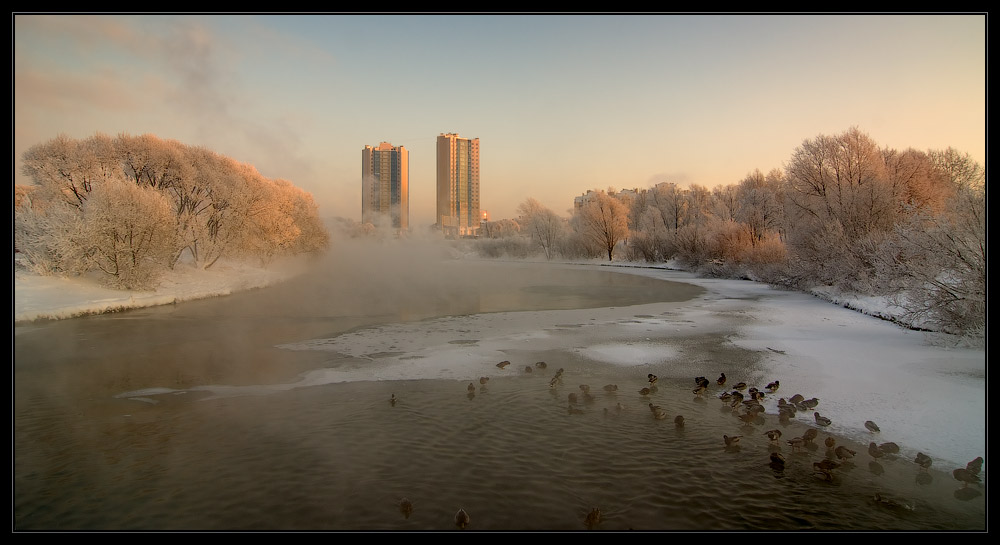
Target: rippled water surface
[[515, 453]]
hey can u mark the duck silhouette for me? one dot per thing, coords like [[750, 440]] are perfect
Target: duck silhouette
[[592, 519], [967, 477], [875, 451], [889, 448], [975, 466], [406, 507], [844, 453], [923, 460], [462, 519]]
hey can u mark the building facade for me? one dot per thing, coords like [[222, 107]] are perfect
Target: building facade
[[385, 199], [458, 185]]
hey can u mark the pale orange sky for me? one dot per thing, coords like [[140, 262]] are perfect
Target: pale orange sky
[[561, 103]]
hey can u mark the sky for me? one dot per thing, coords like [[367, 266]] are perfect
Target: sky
[[930, 399], [561, 103]]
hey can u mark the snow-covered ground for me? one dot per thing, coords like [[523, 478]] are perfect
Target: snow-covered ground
[[926, 396]]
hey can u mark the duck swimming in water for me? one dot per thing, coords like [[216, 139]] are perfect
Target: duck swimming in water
[[967, 477], [731, 441], [773, 435], [503, 364], [923, 460], [462, 519], [874, 451], [844, 453], [406, 507]]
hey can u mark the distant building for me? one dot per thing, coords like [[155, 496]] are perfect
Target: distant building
[[385, 199], [458, 211]]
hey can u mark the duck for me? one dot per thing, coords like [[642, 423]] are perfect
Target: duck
[[585, 388], [503, 364], [872, 427], [528, 369], [652, 379], [392, 400], [773, 435], [874, 451], [554, 382], [592, 519], [679, 421], [830, 442], [462, 519], [484, 380], [967, 477], [822, 420], [699, 380], [923, 460], [471, 388], [572, 397], [889, 448], [406, 507], [747, 418], [721, 381], [610, 387], [796, 443], [844, 453], [889, 502], [725, 396], [658, 412], [777, 460], [731, 441], [810, 403], [698, 390], [703, 382], [772, 386], [541, 364], [797, 398], [809, 435], [826, 465], [645, 392], [975, 466], [741, 386]]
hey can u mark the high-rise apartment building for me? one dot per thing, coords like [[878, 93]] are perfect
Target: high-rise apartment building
[[457, 185], [385, 200]]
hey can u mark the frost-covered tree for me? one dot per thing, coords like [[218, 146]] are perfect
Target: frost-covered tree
[[604, 220], [219, 207], [543, 225], [127, 232]]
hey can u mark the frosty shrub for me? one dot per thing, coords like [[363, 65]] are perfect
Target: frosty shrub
[[46, 236], [128, 233]]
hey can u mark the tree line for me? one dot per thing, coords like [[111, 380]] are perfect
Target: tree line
[[843, 212], [132, 207]]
